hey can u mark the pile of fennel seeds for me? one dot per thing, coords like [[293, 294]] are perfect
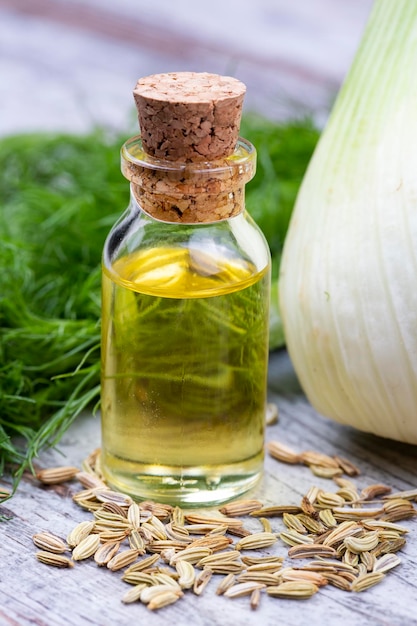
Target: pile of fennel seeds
[[345, 538]]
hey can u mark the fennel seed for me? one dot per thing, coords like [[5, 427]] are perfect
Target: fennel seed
[[362, 544], [226, 582], [143, 564], [369, 560], [107, 495], [347, 466], [256, 541], [133, 594], [386, 562], [113, 535], [201, 581], [299, 590], [264, 578], [80, 532], [149, 593], [86, 548], [261, 560], [338, 581], [325, 472], [225, 567], [293, 538], [374, 491], [122, 559], [106, 552], [275, 511], [57, 475], [291, 574], [219, 557], [240, 508], [214, 543], [138, 577], [192, 555], [90, 481], [161, 578], [186, 574], [366, 581], [164, 598], [56, 560], [242, 589], [307, 507], [266, 566], [255, 599], [294, 522], [49, 542], [310, 457], [311, 550], [283, 453], [410, 494]]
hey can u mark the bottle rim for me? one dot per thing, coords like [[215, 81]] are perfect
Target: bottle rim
[[241, 162]]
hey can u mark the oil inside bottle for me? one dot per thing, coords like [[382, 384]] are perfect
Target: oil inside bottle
[[184, 354]]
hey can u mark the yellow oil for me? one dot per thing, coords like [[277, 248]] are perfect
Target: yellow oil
[[184, 363]]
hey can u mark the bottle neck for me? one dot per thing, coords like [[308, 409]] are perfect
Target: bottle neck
[[200, 207], [189, 193]]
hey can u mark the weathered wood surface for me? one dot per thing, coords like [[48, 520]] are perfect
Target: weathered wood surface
[[33, 593]]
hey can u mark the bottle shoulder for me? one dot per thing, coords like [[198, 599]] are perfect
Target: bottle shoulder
[[237, 237], [147, 255]]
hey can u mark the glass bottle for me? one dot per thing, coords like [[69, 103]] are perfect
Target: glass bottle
[[185, 332]]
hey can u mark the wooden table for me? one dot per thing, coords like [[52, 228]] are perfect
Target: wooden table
[[33, 593]]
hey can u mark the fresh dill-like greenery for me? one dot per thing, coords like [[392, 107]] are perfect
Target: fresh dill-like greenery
[[60, 196]]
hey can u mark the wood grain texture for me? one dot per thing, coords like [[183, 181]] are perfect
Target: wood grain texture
[[32, 593]]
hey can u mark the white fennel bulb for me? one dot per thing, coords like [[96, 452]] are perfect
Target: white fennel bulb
[[348, 278]]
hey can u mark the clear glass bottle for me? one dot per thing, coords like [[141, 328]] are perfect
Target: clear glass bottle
[[185, 332]]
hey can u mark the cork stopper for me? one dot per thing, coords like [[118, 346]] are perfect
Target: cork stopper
[[189, 116]]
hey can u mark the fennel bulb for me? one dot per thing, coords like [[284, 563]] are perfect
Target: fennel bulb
[[348, 278]]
